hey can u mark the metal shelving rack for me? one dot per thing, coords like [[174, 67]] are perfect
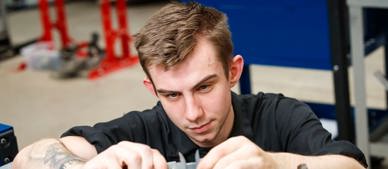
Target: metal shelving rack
[[357, 54], [5, 43]]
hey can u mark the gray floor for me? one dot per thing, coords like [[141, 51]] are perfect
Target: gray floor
[[39, 106]]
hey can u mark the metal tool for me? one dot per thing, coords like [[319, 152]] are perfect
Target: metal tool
[[182, 162]]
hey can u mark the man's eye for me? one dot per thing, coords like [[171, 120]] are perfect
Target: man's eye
[[204, 88], [172, 95]]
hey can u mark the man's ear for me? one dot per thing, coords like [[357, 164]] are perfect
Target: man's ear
[[149, 85], [235, 69]]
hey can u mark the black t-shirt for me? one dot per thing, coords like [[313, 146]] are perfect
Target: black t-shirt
[[274, 122]]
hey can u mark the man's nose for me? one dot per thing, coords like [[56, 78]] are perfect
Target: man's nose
[[193, 109]]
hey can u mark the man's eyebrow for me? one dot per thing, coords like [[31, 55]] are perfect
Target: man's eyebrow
[[164, 91], [207, 78]]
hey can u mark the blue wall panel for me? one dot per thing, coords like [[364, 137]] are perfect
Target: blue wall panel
[[282, 33]]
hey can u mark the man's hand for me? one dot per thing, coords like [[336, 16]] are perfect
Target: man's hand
[[236, 153], [127, 155], [76, 153], [239, 152]]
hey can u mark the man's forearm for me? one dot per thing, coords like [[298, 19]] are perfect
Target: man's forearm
[[47, 154], [292, 161]]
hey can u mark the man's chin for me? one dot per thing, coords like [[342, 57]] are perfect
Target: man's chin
[[207, 140]]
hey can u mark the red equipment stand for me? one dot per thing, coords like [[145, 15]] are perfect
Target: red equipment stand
[[60, 23], [112, 61], [48, 25]]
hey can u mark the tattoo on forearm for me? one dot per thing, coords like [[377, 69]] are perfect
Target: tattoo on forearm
[[58, 157]]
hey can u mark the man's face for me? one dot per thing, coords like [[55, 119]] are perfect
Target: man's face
[[196, 95]]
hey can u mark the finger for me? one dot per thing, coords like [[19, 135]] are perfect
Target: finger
[[245, 152], [221, 150], [250, 163], [124, 156], [98, 163], [159, 161], [145, 153], [110, 163]]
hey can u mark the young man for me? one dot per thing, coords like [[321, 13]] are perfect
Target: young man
[[186, 53]]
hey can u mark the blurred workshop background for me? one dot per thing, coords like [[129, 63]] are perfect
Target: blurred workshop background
[[63, 63]]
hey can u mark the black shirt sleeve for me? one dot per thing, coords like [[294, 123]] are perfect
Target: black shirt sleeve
[[138, 127], [103, 135], [304, 134]]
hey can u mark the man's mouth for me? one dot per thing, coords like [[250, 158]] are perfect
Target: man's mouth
[[201, 128]]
